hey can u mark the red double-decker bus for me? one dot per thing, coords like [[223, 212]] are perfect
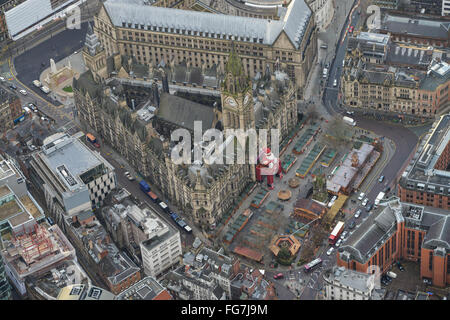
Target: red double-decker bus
[[336, 232]]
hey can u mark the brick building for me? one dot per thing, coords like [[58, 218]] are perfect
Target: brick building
[[10, 109], [397, 231], [426, 179], [415, 227], [100, 257]]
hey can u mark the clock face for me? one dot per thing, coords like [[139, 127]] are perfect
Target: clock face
[[231, 102]]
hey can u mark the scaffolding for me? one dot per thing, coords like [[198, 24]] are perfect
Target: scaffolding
[[34, 244]]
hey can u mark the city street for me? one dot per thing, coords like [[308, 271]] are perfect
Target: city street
[[24, 62]]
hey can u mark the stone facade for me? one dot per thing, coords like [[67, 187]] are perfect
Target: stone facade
[[151, 46], [204, 191], [377, 82]]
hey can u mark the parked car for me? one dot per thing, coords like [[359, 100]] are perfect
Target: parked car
[[344, 234], [386, 280], [358, 213], [365, 201], [338, 243], [400, 267], [350, 113], [278, 276], [352, 225], [426, 281], [361, 196], [335, 83], [330, 251], [381, 179], [369, 207], [2, 79]]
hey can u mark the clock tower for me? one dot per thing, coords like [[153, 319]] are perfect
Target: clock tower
[[236, 95]]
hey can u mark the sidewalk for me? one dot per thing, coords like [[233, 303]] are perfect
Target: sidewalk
[[314, 87]]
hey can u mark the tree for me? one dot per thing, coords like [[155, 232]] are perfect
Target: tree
[[336, 134], [318, 234], [284, 257], [307, 251]]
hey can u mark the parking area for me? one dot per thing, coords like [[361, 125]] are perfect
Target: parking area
[[407, 283]]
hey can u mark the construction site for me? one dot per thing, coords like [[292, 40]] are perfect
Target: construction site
[[34, 251]]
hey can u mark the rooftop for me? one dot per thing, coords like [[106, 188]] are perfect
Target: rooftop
[[30, 12], [84, 292], [252, 282], [199, 269], [16, 210], [5, 169], [64, 274], [372, 232], [422, 172], [140, 16], [68, 158], [35, 250], [359, 281], [146, 289], [417, 27], [184, 113], [376, 38], [115, 265], [345, 173]]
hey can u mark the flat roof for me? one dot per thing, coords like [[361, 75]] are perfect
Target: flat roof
[[146, 289], [421, 169], [4, 190], [67, 156], [9, 209], [5, 169], [374, 37], [19, 219]]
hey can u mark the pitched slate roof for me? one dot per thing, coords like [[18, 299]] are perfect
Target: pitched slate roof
[[439, 234], [246, 29], [418, 27], [183, 112]]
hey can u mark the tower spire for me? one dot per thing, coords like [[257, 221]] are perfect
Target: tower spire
[[236, 80]]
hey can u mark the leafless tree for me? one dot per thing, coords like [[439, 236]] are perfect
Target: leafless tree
[[337, 135]]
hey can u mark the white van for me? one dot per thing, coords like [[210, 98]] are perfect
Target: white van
[[392, 274], [330, 204], [45, 89]]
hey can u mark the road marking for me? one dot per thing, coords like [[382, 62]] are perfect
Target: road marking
[[378, 171], [35, 95]]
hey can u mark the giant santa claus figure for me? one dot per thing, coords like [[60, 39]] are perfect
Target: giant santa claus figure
[[268, 165]]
